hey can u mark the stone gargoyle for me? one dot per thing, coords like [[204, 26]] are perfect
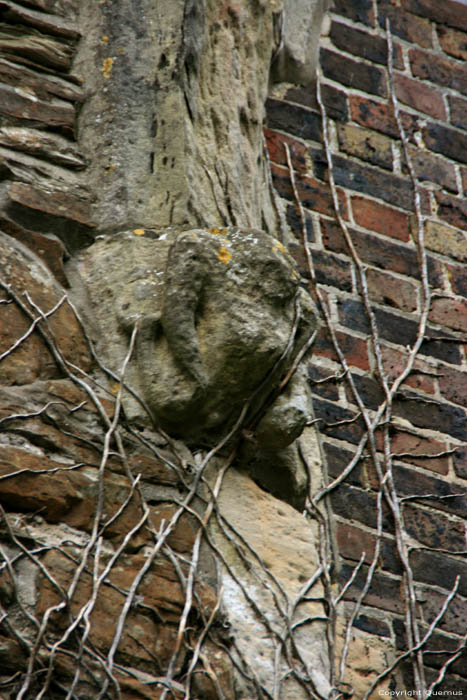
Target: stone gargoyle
[[221, 318]]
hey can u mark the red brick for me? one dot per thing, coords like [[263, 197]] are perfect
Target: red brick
[[419, 96], [453, 385], [450, 12], [442, 71], [313, 194], [379, 252], [386, 289], [395, 361], [416, 30], [381, 218], [354, 74], [355, 349], [406, 447], [453, 42], [452, 209], [277, 154], [379, 116], [449, 312], [353, 541]]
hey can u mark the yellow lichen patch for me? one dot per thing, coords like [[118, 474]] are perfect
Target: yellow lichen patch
[[104, 39], [280, 247], [110, 168], [115, 389], [138, 231], [218, 231], [107, 67], [223, 255]]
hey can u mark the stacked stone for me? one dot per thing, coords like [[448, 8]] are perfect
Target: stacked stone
[[43, 195]]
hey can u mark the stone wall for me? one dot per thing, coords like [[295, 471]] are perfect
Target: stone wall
[[427, 434], [85, 493]]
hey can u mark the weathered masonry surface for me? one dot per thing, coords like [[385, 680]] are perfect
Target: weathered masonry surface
[[429, 427], [46, 204]]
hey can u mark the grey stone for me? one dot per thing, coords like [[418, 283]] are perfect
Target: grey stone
[[221, 317]]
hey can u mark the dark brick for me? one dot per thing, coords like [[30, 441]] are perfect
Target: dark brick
[[453, 42], [416, 30], [397, 329], [358, 505], [460, 462], [442, 71], [458, 277], [458, 109], [322, 383], [453, 385], [434, 529], [450, 12], [385, 592], [439, 570], [379, 116], [454, 619], [335, 101], [320, 163], [372, 625], [453, 210], [447, 141], [293, 119], [295, 223], [337, 458], [365, 144], [433, 415], [361, 43], [380, 218], [354, 74], [368, 389], [371, 181], [350, 427], [419, 96], [380, 252], [331, 270], [357, 10], [449, 498], [438, 642], [431, 168]]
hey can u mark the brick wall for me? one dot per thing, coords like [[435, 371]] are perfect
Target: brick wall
[[427, 430]]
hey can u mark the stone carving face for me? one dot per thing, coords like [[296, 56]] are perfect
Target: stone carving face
[[219, 314]]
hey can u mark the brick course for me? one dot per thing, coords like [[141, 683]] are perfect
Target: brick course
[[428, 432]]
